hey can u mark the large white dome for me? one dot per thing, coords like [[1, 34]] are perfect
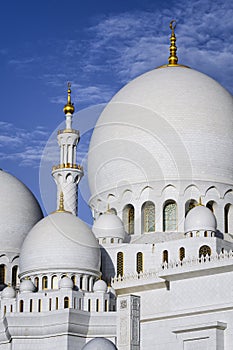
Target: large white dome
[[171, 123], [60, 242], [19, 212]]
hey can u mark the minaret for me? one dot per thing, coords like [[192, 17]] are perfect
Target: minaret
[[68, 174]]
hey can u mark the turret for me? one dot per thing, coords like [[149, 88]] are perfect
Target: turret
[[68, 174]]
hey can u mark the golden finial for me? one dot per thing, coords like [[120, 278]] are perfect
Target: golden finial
[[61, 203], [108, 209], [69, 107], [61, 208], [173, 59], [200, 202]]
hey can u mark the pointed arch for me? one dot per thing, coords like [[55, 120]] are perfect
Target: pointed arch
[[14, 275], [120, 264], [66, 303], [54, 282], [148, 217], [2, 274], [228, 218], [181, 253], [170, 216], [165, 256], [139, 266], [212, 205], [44, 282], [204, 251], [190, 204], [128, 218]]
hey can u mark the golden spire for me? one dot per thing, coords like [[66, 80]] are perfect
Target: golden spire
[[61, 203], [69, 107], [61, 208], [200, 202], [173, 59]]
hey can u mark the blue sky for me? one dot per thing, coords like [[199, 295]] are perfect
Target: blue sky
[[99, 46]]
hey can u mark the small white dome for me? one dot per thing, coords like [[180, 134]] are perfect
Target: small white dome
[[100, 286], [26, 286], [99, 344], [60, 242], [20, 211], [66, 282], [200, 218], [109, 225], [8, 292]]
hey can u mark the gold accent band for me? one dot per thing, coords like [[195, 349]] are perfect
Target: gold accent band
[[68, 165], [68, 131]]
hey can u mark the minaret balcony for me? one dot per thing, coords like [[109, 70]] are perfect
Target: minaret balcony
[[68, 131], [68, 166]]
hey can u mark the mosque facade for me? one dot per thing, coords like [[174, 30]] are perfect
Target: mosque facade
[[156, 269]]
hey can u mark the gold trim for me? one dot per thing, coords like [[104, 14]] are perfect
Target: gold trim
[[67, 166], [68, 131]]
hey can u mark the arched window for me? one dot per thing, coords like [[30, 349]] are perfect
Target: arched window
[[81, 283], [36, 282], [139, 262], [54, 282], [66, 302], [182, 253], [212, 205], [2, 274], [89, 305], [97, 305], [50, 304], [204, 251], [170, 216], [165, 256], [120, 264], [57, 303], [148, 217], [14, 275], [113, 211], [112, 240], [39, 305], [21, 306], [73, 278], [45, 282], [228, 218], [128, 218], [105, 305], [31, 305], [190, 204]]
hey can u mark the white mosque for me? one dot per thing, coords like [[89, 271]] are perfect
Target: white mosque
[[156, 271]]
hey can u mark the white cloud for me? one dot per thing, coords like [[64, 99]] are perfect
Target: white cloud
[[138, 41], [21, 145]]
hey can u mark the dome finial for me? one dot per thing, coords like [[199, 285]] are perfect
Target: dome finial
[[173, 59], [200, 202], [61, 203], [69, 107]]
